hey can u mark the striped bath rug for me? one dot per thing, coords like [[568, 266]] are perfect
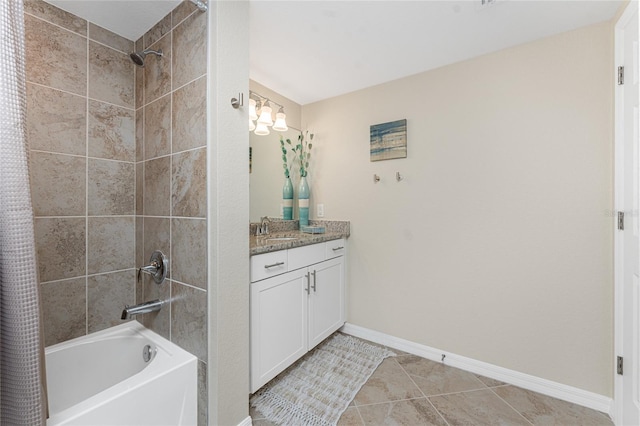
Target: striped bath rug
[[318, 389]]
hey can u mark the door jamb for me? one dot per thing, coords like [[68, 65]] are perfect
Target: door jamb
[[616, 409]]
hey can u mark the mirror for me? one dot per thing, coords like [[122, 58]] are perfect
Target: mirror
[[267, 174]]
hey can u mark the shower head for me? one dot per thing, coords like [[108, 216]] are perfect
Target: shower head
[[138, 57]]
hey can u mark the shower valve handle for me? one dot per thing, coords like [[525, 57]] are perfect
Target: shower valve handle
[[157, 268]]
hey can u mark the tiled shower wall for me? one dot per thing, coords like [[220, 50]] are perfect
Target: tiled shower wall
[[81, 132], [118, 170], [171, 178]]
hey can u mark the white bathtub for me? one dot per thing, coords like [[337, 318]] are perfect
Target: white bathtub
[[102, 379]]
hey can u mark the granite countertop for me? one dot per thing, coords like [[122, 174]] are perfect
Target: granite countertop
[[294, 238]]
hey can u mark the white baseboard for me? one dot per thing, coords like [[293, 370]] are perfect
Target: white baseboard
[[526, 381], [246, 422]]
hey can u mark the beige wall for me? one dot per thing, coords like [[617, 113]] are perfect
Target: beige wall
[[497, 245]]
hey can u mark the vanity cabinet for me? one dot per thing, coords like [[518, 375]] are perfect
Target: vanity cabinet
[[326, 300], [296, 309]]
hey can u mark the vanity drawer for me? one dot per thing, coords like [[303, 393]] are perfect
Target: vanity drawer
[[305, 256], [268, 264], [335, 248]]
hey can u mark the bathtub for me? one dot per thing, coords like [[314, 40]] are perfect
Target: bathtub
[[103, 379]]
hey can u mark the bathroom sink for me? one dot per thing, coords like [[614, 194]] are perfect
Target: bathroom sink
[[282, 238]]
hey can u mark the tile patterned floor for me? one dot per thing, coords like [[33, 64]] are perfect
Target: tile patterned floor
[[409, 390]]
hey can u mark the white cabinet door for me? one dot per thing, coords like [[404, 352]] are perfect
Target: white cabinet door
[[278, 325], [326, 299]]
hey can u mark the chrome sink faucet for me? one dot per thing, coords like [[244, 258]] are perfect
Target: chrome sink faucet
[[263, 229]]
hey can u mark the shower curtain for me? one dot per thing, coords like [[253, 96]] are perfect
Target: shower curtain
[[22, 396]]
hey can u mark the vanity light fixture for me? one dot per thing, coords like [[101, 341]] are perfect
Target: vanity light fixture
[[281, 124], [265, 115], [260, 110], [253, 115], [262, 129]]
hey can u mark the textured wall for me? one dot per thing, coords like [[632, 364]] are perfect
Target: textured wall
[[497, 245]]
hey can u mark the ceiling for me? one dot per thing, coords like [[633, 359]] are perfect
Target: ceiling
[[309, 50], [129, 18], [313, 50]]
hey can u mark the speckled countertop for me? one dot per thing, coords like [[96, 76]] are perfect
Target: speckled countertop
[[289, 229]]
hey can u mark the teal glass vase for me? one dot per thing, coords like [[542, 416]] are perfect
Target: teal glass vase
[[303, 202], [287, 199]]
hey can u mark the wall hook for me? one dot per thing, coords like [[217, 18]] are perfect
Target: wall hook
[[376, 178], [237, 102], [399, 176]]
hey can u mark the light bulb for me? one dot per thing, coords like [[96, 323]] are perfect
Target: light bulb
[[261, 129], [253, 115], [265, 115], [252, 125], [281, 123]]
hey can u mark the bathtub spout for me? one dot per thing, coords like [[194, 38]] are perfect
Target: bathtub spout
[[143, 308]]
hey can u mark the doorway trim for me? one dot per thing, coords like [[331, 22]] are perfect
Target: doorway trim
[[616, 409]]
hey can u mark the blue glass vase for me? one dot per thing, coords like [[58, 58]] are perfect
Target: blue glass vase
[[287, 199], [303, 202]]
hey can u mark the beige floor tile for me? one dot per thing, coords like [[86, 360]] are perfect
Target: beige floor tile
[[391, 397], [434, 378], [350, 417], [481, 407], [388, 383], [409, 412], [545, 410]]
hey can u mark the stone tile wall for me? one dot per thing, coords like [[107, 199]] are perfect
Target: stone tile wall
[[81, 133], [171, 178], [118, 170]]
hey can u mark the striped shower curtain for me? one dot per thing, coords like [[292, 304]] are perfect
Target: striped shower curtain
[[22, 396]]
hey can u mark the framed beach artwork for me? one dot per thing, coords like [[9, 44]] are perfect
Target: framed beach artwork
[[389, 140]]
